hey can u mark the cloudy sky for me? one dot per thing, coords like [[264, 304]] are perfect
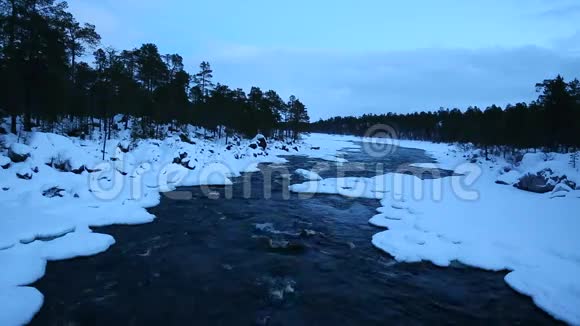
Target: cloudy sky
[[347, 57]]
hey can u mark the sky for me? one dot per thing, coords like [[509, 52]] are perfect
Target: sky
[[347, 57]]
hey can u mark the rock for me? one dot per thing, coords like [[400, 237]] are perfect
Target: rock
[[308, 233], [75, 133], [61, 165], [286, 246], [541, 182], [179, 159], [569, 183], [188, 164], [253, 146], [64, 165], [24, 175], [53, 192], [213, 195], [262, 143], [18, 152], [78, 170], [123, 147], [4, 162], [184, 138], [279, 244], [315, 148], [562, 187]]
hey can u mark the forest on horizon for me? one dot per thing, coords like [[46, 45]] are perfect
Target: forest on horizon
[[44, 82]]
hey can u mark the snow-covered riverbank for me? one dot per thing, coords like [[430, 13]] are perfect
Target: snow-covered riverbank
[[480, 219], [54, 188]]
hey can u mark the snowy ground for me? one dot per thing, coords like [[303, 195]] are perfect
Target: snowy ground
[[45, 213], [474, 220], [53, 188]]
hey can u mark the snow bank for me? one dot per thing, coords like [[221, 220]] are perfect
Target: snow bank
[[69, 188], [477, 222], [308, 175]]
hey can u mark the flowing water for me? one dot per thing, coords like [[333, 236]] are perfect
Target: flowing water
[[266, 257]]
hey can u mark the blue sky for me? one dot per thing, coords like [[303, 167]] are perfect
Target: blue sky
[[353, 57]]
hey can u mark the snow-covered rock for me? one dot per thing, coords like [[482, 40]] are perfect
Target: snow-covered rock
[[24, 174], [540, 182], [4, 162], [562, 186], [260, 140], [508, 178], [65, 154], [18, 152], [308, 175]]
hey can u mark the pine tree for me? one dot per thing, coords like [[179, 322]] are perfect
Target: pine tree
[[203, 79]]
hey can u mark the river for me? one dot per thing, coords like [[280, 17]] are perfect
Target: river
[[270, 258]]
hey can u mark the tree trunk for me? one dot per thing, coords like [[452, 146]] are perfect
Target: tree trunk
[[13, 123], [27, 110]]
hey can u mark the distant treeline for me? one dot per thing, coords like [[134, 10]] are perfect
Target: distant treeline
[[43, 81], [551, 122]]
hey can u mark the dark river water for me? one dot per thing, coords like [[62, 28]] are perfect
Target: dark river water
[[284, 260]]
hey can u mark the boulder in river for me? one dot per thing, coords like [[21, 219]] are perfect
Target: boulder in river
[[282, 245]]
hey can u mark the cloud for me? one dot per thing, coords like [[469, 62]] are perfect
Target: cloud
[[340, 83], [566, 11]]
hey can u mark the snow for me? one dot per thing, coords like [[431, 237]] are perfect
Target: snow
[[424, 165], [471, 219], [509, 178], [308, 175], [466, 217], [20, 149], [35, 229], [18, 303], [4, 160]]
